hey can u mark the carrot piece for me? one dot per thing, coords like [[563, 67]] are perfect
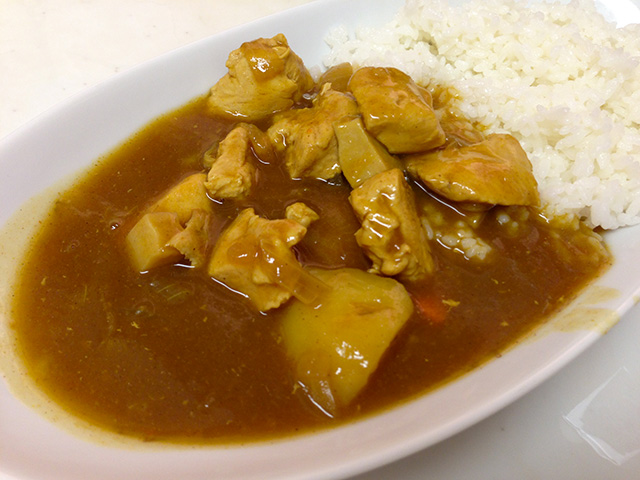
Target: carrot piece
[[431, 307]]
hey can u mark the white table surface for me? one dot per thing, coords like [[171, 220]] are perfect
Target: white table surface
[[584, 423]]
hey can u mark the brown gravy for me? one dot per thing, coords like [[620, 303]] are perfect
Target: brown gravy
[[172, 355]]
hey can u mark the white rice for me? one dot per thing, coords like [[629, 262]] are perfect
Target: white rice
[[559, 77]]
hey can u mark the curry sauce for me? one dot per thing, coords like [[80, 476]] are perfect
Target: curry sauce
[[174, 355]]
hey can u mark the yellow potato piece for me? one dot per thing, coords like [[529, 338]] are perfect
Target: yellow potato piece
[[147, 242], [336, 346]]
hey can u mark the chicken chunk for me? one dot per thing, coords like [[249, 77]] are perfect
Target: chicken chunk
[[306, 136], [232, 173], [174, 227], [495, 171], [253, 256], [338, 76], [391, 233], [301, 213], [188, 195], [361, 156], [147, 243], [159, 239], [265, 76], [192, 241], [458, 130], [336, 346], [395, 110]]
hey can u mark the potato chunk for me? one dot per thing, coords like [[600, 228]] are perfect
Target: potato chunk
[[189, 195], [395, 111], [147, 242], [337, 346], [265, 76], [361, 156], [253, 256], [391, 234], [306, 136], [495, 171]]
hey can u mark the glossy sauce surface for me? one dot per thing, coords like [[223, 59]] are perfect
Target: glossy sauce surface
[[174, 355]]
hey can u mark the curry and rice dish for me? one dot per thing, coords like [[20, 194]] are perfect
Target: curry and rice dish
[[289, 253]]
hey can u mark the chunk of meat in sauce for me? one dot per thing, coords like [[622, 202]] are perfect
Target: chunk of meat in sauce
[[301, 213], [253, 256], [265, 76], [494, 171], [457, 129], [232, 173], [338, 76], [391, 233], [158, 239], [193, 240], [188, 195], [175, 226], [306, 137], [147, 243], [395, 110]]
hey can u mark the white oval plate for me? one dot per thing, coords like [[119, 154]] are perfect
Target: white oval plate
[[71, 136]]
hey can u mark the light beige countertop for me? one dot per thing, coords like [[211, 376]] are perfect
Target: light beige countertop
[[52, 49]]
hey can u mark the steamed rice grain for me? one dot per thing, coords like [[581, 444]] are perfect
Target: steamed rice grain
[[558, 77]]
